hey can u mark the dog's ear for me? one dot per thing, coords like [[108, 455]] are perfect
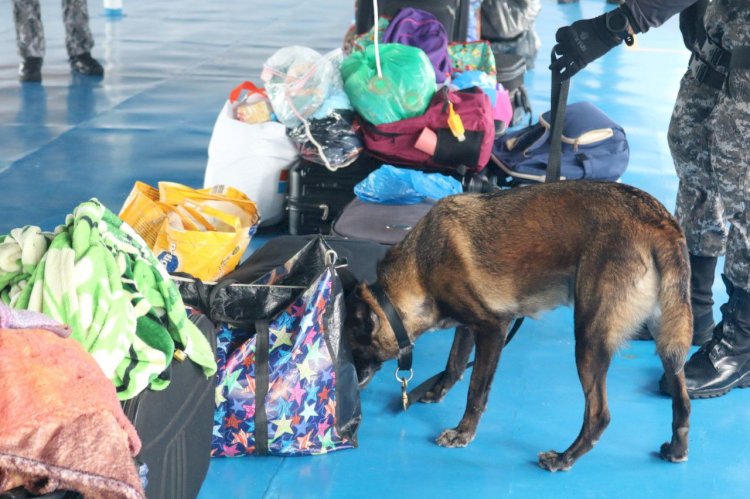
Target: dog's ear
[[360, 316]]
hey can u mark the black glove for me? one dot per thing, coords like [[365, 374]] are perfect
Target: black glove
[[586, 40]]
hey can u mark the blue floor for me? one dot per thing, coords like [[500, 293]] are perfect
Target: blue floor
[[168, 71]]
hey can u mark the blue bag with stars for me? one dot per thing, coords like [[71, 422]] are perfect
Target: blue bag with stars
[[286, 380]]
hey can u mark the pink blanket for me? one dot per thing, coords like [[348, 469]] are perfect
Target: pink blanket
[[61, 425]]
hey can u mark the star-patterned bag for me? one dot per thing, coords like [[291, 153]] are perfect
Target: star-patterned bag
[[286, 382]]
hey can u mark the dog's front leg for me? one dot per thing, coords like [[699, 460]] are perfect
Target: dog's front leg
[[489, 339], [593, 357], [463, 343]]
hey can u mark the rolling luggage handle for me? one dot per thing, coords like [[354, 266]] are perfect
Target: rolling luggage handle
[[559, 100]]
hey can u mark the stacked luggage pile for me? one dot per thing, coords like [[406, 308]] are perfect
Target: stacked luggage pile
[[428, 96]]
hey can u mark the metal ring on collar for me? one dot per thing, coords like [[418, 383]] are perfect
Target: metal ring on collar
[[400, 379]]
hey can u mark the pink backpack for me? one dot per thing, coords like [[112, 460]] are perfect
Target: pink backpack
[[428, 141]]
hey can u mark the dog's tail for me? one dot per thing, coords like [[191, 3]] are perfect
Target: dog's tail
[[676, 328]]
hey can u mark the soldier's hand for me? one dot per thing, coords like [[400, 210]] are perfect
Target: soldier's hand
[[586, 40]]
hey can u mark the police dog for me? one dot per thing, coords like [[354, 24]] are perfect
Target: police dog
[[482, 260]]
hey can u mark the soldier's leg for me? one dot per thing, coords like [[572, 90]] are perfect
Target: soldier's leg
[[724, 362], [29, 31], [699, 208], [78, 38], [27, 18]]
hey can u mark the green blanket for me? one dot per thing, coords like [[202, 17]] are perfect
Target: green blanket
[[99, 277]]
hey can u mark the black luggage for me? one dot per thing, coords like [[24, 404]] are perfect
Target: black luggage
[[454, 14], [381, 223], [359, 257], [317, 195], [175, 426]]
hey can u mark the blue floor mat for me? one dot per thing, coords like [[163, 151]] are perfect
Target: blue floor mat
[[169, 67]]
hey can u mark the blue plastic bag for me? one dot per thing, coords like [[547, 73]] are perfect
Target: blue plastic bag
[[476, 78], [391, 185]]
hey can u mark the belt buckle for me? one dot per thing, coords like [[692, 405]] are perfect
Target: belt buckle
[[700, 70], [715, 55]]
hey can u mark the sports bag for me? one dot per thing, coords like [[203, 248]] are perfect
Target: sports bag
[[428, 140], [286, 380], [593, 147], [419, 28]]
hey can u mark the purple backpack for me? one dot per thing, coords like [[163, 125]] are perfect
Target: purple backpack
[[419, 28]]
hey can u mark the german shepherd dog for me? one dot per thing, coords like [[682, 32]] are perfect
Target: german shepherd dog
[[482, 260]]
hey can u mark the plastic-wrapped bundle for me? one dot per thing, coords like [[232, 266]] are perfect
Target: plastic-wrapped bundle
[[403, 91], [298, 80], [336, 136]]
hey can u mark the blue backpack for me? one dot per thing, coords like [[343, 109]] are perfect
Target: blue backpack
[[593, 147]]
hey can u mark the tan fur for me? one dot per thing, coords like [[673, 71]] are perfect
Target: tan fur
[[610, 250]]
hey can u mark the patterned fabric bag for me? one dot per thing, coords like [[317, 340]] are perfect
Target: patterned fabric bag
[[286, 382], [471, 56]]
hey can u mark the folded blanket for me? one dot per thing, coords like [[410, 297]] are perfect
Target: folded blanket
[[61, 425], [101, 279]]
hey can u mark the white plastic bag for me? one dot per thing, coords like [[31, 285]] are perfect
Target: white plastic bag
[[252, 158]]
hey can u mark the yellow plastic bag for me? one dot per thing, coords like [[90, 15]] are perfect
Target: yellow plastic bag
[[203, 232]]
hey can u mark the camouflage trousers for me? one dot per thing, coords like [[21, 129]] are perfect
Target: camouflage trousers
[[30, 32], [709, 137]]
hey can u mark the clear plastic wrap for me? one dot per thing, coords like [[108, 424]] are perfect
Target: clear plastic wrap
[[298, 80]]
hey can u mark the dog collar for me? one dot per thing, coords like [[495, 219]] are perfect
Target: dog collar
[[405, 345]]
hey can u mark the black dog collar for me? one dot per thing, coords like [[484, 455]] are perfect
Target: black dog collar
[[404, 343]]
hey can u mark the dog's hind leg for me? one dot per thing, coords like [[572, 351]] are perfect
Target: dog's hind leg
[[463, 343], [489, 339], [677, 450], [592, 360]]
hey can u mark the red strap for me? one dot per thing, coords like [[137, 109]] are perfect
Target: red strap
[[245, 85]]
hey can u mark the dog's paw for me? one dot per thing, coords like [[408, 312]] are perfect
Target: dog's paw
[[672, 455], [436, 394], [454, 438], [554, 461]]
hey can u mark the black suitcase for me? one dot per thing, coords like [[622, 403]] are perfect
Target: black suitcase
[[317, 195], [175, 426], [454, 14]]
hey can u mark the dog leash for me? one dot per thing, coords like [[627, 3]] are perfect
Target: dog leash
[[559, 101], [429, 383]]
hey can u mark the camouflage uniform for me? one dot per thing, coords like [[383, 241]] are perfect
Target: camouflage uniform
[[30, 32], [708, 138]]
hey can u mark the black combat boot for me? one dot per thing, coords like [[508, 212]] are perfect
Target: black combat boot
[[86, 65], [30, 69], [723, 362], [702, 271]]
